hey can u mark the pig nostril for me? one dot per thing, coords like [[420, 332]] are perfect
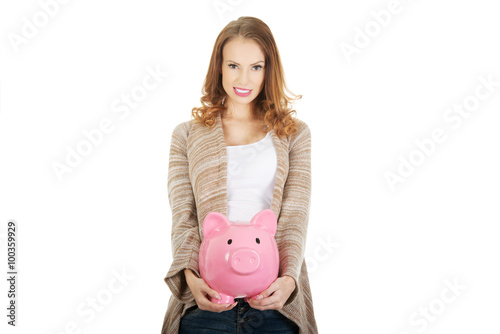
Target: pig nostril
[[245, 261]]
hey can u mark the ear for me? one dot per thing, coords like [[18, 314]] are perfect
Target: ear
[[214, 221], [267, 220]]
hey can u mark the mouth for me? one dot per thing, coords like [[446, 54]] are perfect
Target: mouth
[[242, 92]]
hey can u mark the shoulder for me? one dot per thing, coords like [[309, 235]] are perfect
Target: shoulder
[[181, 131], [302, 126], [303, 133], [183, 128]]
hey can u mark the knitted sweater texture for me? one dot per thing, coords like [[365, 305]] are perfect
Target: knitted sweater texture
[[197, 185]]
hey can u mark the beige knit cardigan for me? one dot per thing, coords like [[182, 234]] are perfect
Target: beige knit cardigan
[[197, 185]]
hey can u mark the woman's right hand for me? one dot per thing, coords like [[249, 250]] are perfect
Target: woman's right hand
[[202, 293]]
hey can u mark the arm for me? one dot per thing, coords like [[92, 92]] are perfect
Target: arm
[[294, 215], [185, 237], [183, 278]]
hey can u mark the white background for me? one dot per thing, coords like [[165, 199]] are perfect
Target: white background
[[378, 257]]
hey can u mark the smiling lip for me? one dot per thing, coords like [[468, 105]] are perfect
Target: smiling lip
[[242, 92]]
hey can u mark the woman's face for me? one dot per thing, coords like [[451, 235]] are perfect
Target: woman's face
[[242, 70]]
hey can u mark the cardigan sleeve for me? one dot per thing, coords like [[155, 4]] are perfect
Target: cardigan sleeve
[[185, 236], [294, 215]]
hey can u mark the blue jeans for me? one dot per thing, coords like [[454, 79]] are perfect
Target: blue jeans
[[241, 319]]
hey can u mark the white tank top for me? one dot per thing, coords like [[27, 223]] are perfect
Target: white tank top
[[251, 174]]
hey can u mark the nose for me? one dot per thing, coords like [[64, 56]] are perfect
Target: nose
[[245, 261], [243, 78]]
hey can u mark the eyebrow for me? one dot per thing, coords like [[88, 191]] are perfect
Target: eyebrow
[[232, 61]]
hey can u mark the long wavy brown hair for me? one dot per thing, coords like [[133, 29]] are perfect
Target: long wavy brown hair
[[272, 104]]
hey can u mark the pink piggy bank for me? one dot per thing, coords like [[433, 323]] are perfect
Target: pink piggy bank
[[239, 260]]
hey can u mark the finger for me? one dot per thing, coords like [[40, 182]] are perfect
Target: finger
[[225, 307], [262, 308], [211, 292], [213, 307], [275, 297], [274, 301], [269, 301], [266, 293], [276, 305]]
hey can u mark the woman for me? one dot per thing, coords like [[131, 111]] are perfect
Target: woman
[[241, 153]]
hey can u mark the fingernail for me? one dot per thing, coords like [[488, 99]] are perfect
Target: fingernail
[[217, 296], [259, 297]]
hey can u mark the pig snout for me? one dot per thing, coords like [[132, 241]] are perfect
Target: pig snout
[[245, 261]]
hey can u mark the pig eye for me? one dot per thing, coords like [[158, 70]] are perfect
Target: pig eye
[[229, 241], [257, 240]]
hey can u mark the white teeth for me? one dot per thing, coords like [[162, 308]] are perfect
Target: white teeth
[[242, 91]]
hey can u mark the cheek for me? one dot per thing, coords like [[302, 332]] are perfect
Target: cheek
[[227, 79], [260, 79]]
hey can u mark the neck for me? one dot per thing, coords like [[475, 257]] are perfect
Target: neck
[[238, 112]]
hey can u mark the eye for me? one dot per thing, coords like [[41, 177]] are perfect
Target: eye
[[231, 65], [257, 240], [229, 241], [257, 66]]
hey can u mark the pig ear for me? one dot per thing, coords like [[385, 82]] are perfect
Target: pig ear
[[214, 221], [267, 220]]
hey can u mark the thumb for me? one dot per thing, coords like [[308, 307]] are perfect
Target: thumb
[[211, 292], [266, 293]]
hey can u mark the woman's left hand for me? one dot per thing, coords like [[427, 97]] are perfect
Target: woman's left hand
[[274, 297]]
